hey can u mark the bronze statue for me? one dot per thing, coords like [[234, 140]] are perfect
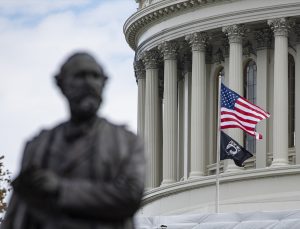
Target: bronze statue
[[84, 173]]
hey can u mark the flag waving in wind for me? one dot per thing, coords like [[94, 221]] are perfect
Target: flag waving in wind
[[237, 112]]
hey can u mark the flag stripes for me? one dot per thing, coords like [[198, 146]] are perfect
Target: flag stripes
[[244, 106], [237, 112]]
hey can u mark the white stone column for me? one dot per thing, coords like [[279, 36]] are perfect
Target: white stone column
[[270, 101], [170, 117], [140, 74], [198, 43], [208, 105], [264, 39], [235, 34], [297, 97], [187, 72], [152, 128], [280, 117]]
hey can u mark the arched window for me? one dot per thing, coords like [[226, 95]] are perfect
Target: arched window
[[250, 94], [291, 100]]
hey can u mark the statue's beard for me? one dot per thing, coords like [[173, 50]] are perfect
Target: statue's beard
[[84, 104]]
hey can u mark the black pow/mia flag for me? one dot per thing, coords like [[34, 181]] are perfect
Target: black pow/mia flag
[[230, 149]]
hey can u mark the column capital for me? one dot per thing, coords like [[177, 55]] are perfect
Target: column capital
[[281, 26], [197, 41], [263, 38], [169, 49], [139, 69], [151, 58], [235, 33]]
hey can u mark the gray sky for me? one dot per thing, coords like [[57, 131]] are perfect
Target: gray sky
[[36, 37]]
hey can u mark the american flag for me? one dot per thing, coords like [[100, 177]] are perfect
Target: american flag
[[237, 112]]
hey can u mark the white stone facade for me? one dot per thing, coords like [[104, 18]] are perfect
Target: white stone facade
[[181, 48]]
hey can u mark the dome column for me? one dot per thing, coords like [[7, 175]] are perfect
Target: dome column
[[235, 35], [152, 118], [140, 74], [198, 43], [280, 28], [170, 115], [187, 74]]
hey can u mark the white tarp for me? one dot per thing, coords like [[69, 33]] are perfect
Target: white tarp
[[250, 220]]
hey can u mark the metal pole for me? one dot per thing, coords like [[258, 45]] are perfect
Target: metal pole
[[218, 147]]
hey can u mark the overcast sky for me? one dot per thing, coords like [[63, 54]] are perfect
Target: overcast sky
[[36, 37]]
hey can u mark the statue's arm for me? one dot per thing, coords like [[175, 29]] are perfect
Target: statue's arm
[[115, 200]]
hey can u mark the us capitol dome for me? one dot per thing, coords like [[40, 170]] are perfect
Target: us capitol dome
[[181, 48]]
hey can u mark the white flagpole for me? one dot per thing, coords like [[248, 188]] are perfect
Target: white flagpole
[[218, 147]]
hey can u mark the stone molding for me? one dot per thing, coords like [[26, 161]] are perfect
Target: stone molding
[[169, 50], [263, 38], [182, 186], [235, 33], [151, 59], [157, 11], [197, 41], [139, 69], [175, 31], [281, 26]]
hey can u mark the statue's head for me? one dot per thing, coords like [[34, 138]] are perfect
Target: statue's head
[[82, 79]]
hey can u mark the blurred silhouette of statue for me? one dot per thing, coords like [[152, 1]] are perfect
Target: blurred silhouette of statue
[[84, 173]]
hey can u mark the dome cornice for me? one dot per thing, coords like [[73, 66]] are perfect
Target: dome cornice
[[157, 11]]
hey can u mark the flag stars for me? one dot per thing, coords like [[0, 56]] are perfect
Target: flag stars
[[228, 98]]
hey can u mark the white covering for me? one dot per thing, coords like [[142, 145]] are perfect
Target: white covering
[[250, 220]]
